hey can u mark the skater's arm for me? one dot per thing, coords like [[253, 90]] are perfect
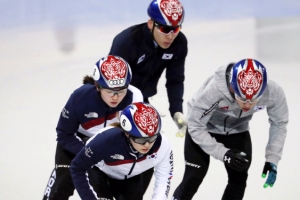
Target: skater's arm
[[67, 127], [163, 172]]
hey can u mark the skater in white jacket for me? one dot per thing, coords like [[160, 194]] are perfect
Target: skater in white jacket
[[123, 152], [218, 126]]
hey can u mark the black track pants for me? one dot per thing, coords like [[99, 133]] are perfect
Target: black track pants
[[129, 189], [60, 185], [146, 178], [197, 164]]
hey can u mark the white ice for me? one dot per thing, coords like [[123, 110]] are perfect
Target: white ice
[[44, 54]]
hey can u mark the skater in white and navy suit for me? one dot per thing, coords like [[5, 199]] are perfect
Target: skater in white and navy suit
[[91, 107], [218, 126], [123, 152]]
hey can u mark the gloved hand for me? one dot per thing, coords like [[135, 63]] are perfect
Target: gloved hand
[[272, 172], [236, 160], [181, 123]]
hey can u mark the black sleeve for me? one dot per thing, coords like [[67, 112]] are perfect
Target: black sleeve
[[175, 75]]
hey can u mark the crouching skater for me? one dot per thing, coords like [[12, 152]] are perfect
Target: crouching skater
[[122, 152]]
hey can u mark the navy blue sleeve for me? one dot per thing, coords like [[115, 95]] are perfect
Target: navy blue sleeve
[[175, 80], [67, 127], [90, 155]]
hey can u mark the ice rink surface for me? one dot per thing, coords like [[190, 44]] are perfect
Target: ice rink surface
[[47, 47]]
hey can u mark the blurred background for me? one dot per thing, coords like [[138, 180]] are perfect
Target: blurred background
[[47, 47]]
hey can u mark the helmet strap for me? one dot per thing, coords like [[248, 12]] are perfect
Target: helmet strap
[[153, 26], [131, 146], [97, 86], [152, 31], [229, 67]]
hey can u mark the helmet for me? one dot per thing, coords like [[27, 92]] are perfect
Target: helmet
[[248, 79], [140, 120], [112, 72], [166, 12]]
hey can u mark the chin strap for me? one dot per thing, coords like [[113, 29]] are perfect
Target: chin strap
[[131, 147], [152, 31], [228, 70]]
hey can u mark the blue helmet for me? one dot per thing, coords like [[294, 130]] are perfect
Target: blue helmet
[[166, 12], [248, 79], [112, 72], [140, 120]]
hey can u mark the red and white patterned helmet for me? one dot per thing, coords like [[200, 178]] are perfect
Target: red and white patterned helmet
[[166, 12], [248, 79], [140, 120], [112, 72]]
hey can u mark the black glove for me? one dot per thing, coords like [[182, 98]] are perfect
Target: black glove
[[236, 160], [272, 173]]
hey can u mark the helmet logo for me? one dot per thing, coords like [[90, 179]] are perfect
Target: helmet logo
[[146, 119], [114, 71], [173, 10], [250, 79]]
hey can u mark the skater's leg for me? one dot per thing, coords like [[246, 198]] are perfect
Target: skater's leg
[[128, 189], [236, 186], [60, 185], [196, 166], [146, 179], [99, 182]]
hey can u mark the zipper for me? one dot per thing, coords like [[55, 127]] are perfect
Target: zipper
[[135, 159], [225, 124], [105, 118], [240, 113], [226, 119]]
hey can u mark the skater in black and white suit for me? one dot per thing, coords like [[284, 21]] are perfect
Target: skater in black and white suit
[[123, 152], [218, 126], [90, 108]]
